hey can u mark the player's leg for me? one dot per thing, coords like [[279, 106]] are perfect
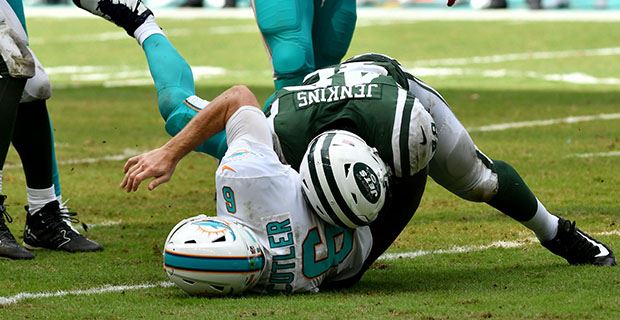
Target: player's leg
[[465, 171], [286, 26], [16, 65], [10, 92], [334, 24], [173, 77], [46, 225]]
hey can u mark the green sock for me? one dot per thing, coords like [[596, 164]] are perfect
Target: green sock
[[514, 198]]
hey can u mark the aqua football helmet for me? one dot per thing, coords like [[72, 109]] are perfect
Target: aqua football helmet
[[343, 179], [213, 256]]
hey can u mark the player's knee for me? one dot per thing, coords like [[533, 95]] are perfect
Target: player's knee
[[169, 98], [481, 192], [178, 119], [290, 60], [465, 172]]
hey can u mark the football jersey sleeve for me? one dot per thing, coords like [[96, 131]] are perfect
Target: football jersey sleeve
[[249, 123]]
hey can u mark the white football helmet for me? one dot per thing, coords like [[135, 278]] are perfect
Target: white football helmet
[[343, 179], [212, 256]]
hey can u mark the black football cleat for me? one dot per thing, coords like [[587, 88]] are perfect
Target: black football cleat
[[577, 247], [8, 246], [127, 14], [48, 228]]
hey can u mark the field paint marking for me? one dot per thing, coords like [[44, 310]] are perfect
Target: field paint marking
[[109, 223], [520, 56], [574, 77], [165, 284], [595, 154], [123, 76], [467, 249], [180, 32], [122, 36], [547, 122], [127, 153], [99, 290], [464, 249]]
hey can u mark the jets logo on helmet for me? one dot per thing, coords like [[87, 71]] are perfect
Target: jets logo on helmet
[[212, 256], [343, 179]]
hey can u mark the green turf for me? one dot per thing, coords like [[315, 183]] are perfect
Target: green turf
[[93, 121]]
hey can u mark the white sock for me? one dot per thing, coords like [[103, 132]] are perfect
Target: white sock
[[37, 198], [544, 224], [0, 181], [147, 29]]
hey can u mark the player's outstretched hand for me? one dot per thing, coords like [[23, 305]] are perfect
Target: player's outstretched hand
[[158, 164]]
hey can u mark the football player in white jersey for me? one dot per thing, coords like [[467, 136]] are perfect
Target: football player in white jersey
[[256, 191]]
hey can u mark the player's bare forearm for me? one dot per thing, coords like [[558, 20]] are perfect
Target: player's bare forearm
[[161, 162], [210, 120]]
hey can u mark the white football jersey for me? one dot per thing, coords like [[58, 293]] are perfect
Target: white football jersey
[[302, 251]]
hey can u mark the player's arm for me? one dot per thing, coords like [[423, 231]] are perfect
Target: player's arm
[[161, 162]]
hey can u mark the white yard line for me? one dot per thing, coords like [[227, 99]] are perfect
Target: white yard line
[[122, 36], [539, 55], [595, 154], [99, 290], [164, 284], [547, 122], [464, 249], [572, 77]]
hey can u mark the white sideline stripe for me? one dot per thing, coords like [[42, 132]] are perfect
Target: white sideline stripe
[[127, 153], [99, 290], [164, 284], [547, 122], [595, 154], [520, 56]]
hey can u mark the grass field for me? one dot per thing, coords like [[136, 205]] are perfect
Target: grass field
[[463, 260]]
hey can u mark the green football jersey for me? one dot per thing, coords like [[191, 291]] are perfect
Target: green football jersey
[[369, 98]]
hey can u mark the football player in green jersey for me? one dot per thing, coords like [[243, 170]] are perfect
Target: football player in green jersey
[[344, 97], [27, 126]]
